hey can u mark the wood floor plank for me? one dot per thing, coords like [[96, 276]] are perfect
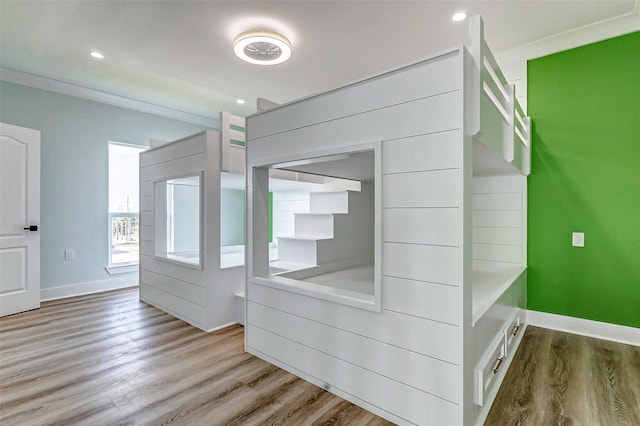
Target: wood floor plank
[[343, 413], [559, 378], [111, 359], [302, 405]]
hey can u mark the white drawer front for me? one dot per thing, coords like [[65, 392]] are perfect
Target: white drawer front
[[512, 330], [488, 369]]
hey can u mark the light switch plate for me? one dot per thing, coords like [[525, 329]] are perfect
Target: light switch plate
[[69, 255], [577, 239]]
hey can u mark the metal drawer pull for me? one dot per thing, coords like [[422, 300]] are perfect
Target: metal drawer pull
[[497, 367], [515, 330]]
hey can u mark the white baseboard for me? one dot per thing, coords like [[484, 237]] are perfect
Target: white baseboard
[[80, 289], [585, 327], [220, 327]]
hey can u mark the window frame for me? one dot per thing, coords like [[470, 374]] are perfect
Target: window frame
[[120, 267], [160, 216]]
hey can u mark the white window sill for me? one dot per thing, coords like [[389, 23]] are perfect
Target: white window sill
[[122, 269]]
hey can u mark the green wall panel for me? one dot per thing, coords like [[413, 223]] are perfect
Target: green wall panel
[[585, 104]]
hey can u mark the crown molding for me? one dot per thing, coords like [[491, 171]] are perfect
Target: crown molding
[[69, 89], [591, 33]]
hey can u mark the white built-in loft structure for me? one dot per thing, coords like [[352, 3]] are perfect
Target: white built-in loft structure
[[192, 194], [417, 313]]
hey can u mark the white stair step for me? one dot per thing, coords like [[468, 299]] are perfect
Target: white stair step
[[329, 202], [301, 250], [310, 251], [314, 225]]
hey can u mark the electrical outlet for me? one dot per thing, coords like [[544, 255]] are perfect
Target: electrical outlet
[[577, 239], [69, 255]]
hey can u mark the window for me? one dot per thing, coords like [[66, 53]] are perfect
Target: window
[[123, 205]]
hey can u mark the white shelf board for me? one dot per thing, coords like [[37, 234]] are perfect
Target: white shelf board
[[489, 285], [304, 238], [279, 266], [359, 279]]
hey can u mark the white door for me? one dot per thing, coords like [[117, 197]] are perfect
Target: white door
[[19, 219]]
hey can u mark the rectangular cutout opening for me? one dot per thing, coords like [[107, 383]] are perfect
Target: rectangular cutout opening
[[326, 236], [178, 217]]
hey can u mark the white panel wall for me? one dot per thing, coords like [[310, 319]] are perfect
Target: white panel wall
[[413, 361], [411, 405], [405, 362], [499, 221], [408, 84], [393, 122], [202, 297], [178, 290]]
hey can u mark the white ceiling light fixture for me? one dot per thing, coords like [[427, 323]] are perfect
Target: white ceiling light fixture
[[240, 101], [96, 55], [459, 16], [262, 47]]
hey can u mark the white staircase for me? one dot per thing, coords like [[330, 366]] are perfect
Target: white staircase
[[330, 202], [333, 229]]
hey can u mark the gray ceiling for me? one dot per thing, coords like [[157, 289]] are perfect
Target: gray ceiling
[[178, 54]]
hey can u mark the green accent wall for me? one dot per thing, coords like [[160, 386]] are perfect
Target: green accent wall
[[585, 105]]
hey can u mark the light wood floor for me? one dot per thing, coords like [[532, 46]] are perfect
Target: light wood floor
[[109, 359]]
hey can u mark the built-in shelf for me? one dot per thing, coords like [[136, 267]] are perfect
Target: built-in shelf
[[358, 279], [488, 286]]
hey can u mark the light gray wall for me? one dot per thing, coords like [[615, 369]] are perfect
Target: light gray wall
[[186, 214], [74, 172], [231, 217]]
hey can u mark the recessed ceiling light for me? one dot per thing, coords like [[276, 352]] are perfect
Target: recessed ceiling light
[[459, 16], [240, 101], [262, 47], [95, 54]]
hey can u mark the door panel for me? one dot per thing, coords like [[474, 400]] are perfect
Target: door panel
[[13, 175], [19, 209]]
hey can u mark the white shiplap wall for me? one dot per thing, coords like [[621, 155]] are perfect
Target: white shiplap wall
[[202, 297], [405, 362], [499, 222], [415, 361], [178, 290]]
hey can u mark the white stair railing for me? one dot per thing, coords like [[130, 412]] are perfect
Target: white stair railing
[[233, 140], [490, 84]]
